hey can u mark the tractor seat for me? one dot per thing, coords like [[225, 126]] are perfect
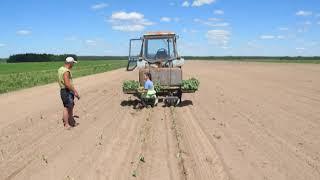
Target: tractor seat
[[161, 55]]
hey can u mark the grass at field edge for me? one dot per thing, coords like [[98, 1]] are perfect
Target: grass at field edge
[[17, 77]]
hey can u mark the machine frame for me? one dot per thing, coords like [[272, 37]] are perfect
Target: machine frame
[[167, 71]]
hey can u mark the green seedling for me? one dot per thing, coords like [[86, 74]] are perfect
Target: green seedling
[[130, 85], [134, 173], [142, 159]]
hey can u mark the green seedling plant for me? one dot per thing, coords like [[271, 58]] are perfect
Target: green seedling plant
[[130, 85], [190, 84]]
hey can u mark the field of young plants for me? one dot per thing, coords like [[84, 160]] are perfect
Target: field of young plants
[[15, 76]]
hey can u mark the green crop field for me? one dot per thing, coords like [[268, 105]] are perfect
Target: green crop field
[[14, 76]]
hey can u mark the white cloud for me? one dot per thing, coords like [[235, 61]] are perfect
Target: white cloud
[[185, 30], [250, 43], [176, 19], [193, 31], [302, 30], [253, 44], [283, 29], [128, 22], [308, 23], [99, 6], [2, 45], [108, 51], [127, 16], [212, 22], [214, 19], [23, 32], [303, 13], [219, 37], [172, 4], [197, 3], [317, 15], [300, 48], [313, 44], [272, 37], [165, 19], [318, 23], [90, 42], [267, 37], [218, 12], [71, 38], [196, 20], [185, 4], [168, 19], [128, 28], [224, 24]]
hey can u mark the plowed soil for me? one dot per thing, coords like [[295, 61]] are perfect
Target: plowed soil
[[247, 121]]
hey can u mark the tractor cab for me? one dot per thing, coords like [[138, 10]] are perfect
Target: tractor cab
[[154, 48]]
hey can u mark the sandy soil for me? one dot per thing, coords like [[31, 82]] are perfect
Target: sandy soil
[[248, 121]]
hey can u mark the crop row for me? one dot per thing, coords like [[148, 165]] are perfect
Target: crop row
[[14, 81]]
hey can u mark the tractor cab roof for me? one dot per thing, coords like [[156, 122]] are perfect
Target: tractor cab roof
[[159, 35]]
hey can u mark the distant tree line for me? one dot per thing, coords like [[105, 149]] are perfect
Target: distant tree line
[[252, 57], [33, 57], [211, 58]]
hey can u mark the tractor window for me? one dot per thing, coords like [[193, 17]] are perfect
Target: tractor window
[[135, 48], [157, 49], [134, 53]]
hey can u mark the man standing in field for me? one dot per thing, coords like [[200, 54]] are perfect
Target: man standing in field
[[67, 91]]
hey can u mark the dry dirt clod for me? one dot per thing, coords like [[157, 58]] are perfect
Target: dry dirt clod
[[2, 155], [222, 124], [69, 178], [209, 159], [217, 136], [44, 158]]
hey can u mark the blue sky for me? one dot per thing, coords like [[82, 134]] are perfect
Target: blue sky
[[205, 27]]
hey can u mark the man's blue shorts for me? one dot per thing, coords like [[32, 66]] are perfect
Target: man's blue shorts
[[67, 98]]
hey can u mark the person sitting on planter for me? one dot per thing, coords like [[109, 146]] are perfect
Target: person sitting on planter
[[149, 87]]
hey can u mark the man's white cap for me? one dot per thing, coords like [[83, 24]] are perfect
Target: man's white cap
[[71, 60]]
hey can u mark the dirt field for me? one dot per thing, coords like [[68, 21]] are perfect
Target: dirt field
[[248, 121]]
